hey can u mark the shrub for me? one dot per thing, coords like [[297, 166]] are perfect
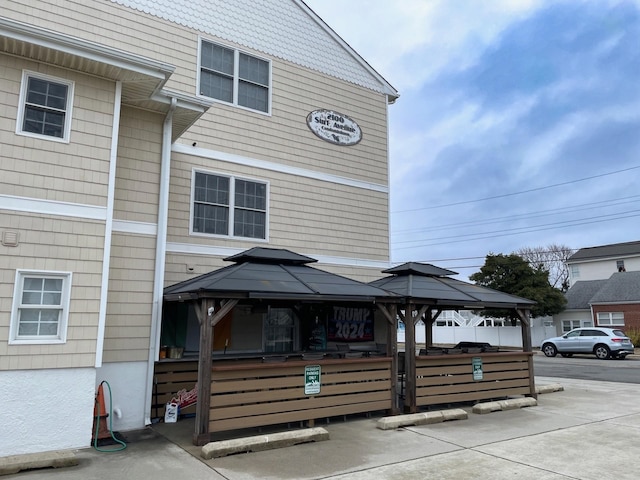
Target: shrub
[[634, 334]]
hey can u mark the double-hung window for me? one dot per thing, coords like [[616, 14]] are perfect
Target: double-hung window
[[234, 77], [229, 206], [611, 319], [45, 107], [40, 307]]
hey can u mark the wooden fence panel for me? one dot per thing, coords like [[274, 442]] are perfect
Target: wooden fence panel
[[450, 379], [261, 395]]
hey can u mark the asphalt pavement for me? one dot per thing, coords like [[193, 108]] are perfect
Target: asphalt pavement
[[588, 431]]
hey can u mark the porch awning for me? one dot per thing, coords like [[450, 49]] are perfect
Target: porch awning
[[268, 273], [430, 284]]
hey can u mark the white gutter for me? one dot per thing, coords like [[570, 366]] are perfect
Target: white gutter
[[161, 250], [108, 226]]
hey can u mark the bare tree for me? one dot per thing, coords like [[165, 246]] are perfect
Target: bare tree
[[551, 258]]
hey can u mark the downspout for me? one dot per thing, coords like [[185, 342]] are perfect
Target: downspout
[[108, 227], [161, 250], [389, 260]]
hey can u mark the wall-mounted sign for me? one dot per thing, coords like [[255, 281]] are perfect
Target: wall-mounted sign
[[334, 127]]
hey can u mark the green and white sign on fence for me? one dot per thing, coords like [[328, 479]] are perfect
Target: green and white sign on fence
[[476, 362], [312, 379]]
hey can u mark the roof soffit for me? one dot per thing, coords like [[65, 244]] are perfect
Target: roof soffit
[[142, 78], [289, 30]]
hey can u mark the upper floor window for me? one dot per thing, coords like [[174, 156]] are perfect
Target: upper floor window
[[234, 77], [611, 319], [229, 206], [45, 107], [40, 307], [620, 265], [575, 271]]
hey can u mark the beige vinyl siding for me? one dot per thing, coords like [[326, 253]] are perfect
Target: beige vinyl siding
[[295, 92], [304, 214], [138, 166], [107, 23], [50, 243], [75, 172], [128, 324], [285, 138]]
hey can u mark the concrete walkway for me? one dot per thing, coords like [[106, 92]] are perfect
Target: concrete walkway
[[589, 431]]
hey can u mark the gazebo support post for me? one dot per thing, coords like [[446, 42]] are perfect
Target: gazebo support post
[[391, 314], [525, 324], [410, 359], [208, 317], [429, 328]]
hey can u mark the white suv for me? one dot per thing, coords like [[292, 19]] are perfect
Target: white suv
[[602, 342]]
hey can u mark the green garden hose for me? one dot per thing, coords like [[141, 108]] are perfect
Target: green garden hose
[[122, 445]]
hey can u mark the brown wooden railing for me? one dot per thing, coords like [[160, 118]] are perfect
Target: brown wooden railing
[[449, 378], [170, 378], [260, 394]]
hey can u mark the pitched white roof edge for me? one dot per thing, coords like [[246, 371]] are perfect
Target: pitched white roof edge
[[390, 90], [263, 24]]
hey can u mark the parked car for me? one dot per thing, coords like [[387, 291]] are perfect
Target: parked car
[[602, 342]]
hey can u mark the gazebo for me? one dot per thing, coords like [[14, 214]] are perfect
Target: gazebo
[[267, 383], [435, 377]]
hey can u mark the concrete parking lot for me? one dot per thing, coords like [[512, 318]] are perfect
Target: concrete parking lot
[[566, 436]]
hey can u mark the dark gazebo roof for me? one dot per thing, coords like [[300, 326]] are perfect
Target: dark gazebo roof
[[428, 283], [273, 273]]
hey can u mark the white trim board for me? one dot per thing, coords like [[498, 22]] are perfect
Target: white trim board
[[52, 207], [277, 167], [206, 250]]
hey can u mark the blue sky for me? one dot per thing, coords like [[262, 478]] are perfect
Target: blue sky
[[518, 123]]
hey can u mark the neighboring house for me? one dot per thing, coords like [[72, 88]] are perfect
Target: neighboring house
[[142, 141], [604, 288], [614, 302], [598, 263]]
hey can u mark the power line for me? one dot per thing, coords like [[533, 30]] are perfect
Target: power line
[[524, 216], [525, 229], [537, 189], [513, 232]]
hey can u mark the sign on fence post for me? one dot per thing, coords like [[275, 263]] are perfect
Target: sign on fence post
[[476, 362], [312, 379]]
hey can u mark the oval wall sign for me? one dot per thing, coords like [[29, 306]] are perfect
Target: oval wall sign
[[334, 127]]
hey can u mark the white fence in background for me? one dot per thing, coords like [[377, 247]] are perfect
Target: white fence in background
[[497, 336]]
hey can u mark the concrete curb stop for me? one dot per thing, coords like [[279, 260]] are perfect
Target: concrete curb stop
[[390, 423], [31, 461], [262, 442], [510, 404], [556, 387]]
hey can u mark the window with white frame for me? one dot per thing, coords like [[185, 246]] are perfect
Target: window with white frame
[[575, 271], [45, 107], [568, 325], [611, 319], [234, 77], [229, 206], [40, 307]]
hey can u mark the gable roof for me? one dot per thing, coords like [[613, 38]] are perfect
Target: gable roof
[[287, 29], [621, 287], [580, 294], [429, 283], [273, 273], [614, 250]]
